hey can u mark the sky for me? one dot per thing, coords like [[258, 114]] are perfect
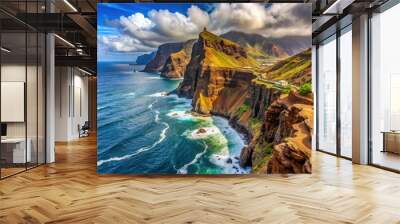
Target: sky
[[127, 30]]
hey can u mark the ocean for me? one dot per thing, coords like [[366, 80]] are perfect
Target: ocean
[[142, 130]]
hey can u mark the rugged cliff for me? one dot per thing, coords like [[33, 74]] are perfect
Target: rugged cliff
[[217, 76], [280, 118], [280, 127], [175, 66], [221, 79], [163, 52]]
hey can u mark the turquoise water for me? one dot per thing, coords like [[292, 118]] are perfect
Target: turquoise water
[[141, 130]]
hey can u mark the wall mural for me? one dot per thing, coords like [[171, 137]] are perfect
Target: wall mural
[[204, 88]]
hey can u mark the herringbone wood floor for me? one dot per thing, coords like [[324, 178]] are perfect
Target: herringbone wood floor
[[70, 191]]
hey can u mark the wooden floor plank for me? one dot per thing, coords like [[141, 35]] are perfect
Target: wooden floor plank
[[70, 191]]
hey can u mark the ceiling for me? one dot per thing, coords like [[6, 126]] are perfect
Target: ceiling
[[331, 15], [75, 22]]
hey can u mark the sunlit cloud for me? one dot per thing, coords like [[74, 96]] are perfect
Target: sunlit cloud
[[145, 32]]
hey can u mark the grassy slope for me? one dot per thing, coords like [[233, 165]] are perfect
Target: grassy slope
[[290, 67], [218, 58]]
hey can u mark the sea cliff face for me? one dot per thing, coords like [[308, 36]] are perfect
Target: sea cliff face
[[280, 139], [216, 86], [163, 52], [175, 66], [276, 119]]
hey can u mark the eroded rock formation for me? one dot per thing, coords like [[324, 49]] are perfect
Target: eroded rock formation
[[175, 66], [213, 78], [163, 52]]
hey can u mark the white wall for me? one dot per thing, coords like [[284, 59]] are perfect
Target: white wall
[[71, 102], [16, 73], [33, 127]]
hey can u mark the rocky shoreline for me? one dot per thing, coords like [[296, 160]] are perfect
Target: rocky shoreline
[[274, 119]]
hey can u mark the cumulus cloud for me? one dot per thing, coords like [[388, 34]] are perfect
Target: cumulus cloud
[[278, 20], [249, 17], [141, 32], [123, 43]]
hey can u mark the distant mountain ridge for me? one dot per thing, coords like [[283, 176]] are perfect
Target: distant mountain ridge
[[145, 58], [277, 47], [163, 52], [256, 45]]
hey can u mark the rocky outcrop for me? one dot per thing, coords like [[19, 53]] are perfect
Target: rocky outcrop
[[163, 52], [214, 78], [220, 91], [275, 119], [175, 66], [285, 137], [145, 58], [261, 98]]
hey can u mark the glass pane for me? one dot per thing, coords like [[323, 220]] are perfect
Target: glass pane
[[327, 96], [13, 88], [385, 83], [31, 100], [346, 94]]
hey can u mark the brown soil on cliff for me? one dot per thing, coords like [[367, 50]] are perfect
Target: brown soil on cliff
[[293, 154], [217, 76], [280, 127], [175, 66]]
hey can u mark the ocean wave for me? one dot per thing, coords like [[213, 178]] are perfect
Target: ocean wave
[[150, 106], [183, 169], [154, 77], [159, 94], [181, 114], [157, 117], [162, 137], [101, 107], [204, 132], [229, 163], [185, 115]]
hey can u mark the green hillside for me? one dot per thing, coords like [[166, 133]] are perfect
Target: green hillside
[[295, 70], [221, 52]]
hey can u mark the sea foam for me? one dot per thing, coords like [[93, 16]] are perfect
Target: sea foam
[[183, 169], [205, 132], [141, 150], [154, 77], [162, 136], [159, 94]]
